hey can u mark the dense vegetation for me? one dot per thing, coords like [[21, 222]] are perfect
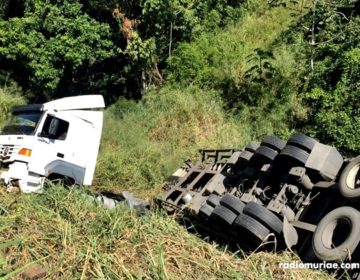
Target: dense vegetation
[[177, 75], [304, 67]]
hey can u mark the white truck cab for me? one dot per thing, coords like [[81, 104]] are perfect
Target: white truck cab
[[55, 140]]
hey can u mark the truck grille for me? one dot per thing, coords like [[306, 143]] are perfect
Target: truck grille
[[6, 151]]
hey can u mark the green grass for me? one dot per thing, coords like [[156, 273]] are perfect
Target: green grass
[[73, 238]]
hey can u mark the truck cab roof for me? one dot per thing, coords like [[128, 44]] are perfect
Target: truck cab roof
[[76, 103], [65, 104]]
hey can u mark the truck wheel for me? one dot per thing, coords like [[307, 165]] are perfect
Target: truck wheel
[[264, 216], [245, 156], [255, 230], [349, 182], [337, 235], [233, 203], [223, 215], [265, 154], [296, 155], [61, 179], [273, 142], [302, 141], [213, 200], [252, 147], [205, 211]]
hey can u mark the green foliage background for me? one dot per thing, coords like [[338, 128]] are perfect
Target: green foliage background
[[297, 62]]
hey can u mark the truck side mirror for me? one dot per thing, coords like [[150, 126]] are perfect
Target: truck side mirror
[[54, 125]]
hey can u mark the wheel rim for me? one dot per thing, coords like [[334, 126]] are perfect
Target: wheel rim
[[353, 178]]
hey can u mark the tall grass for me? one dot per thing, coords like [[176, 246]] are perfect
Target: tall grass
[[144, 144], [148, 142], [73, 238]]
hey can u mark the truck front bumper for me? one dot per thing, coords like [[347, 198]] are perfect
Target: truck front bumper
[[18, 174]]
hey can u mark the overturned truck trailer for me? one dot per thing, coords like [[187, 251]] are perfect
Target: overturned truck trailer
[[300, 194]]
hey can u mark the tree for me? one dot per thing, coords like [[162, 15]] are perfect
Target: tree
[[52, 43], [333, 90], [326, 23]]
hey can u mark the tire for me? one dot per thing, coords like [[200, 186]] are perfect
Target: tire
[[233, 203], [245, 156], [296, 155], [302, 141], [223, 215], [256, 232], [337, 235], [252, 147], [264, 216], [205, 212], [265, 154], [213, 200], [61, 179], [273, 142], [349, 182]]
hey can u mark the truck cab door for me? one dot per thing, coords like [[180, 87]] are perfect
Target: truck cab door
[[53, 150]]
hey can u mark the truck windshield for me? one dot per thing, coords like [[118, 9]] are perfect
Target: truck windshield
[[21, 123]]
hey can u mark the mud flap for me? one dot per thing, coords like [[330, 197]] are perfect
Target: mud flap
[[290, 234]]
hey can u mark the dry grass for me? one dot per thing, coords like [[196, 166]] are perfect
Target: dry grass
[[75, 239]]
